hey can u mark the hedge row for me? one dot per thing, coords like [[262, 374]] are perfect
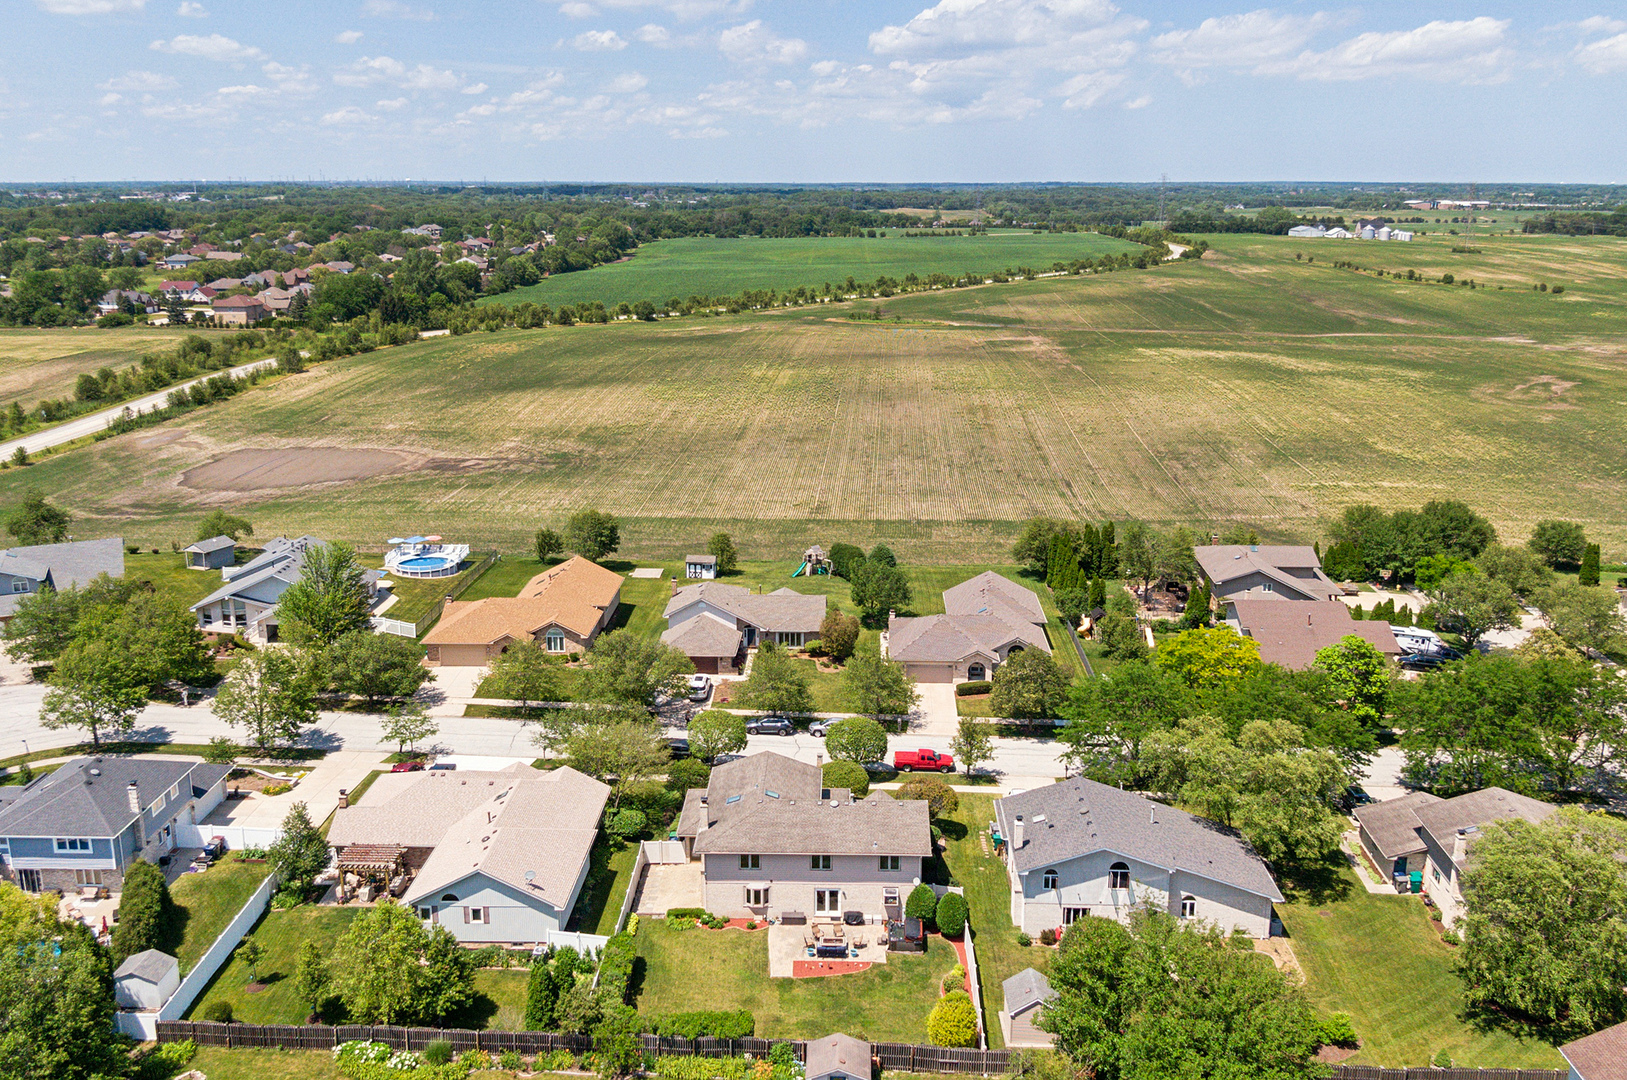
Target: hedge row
[[738, 1024], [979, 686], [616, 966]]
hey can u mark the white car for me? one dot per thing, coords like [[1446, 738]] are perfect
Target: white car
[[699, 687]]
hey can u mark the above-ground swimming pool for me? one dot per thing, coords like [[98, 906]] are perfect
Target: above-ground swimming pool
[[424, 557]]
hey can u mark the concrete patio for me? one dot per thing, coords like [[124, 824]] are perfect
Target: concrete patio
[[789, 944], [670, 885]]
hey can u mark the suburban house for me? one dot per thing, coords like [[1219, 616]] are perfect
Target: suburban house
[[493, 856], [146, 980], [25, 570], [985, 620], [1026, 994], [84, 824], [838, 1057], [179, 261], [247, 603], [1421, 832], [1271, 571], [177, 288], [117, 299], [700, 567], [1291, 634], [774, 842], [212, 554], [715, 624], [1079, 848], [1599, 1056], [563, 609], [239, 310]]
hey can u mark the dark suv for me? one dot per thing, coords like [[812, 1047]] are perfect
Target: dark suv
[[770, 725]]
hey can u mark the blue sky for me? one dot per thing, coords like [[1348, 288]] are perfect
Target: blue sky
[[815, 91]]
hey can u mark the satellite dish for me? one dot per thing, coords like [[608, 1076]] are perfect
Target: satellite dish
[[530, 876]]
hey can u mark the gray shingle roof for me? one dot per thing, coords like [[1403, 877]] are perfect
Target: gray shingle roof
[[214, 543], [1226, 562], [89, 796], [837, 1053], [701, 560], [1393, 824], [783, 610], [1476, 809], [703, 636], [1025, 990], [67, 565], [149, 966], [945, 638], [1599, 1056], [1290, 633], [1078, 817], [990, 593]]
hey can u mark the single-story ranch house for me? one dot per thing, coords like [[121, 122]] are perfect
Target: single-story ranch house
[[773, 840], [247, 603], [985, 620], [25, 570], [563, 609], [1079, 848], [497, 856], [1272, 571], [715, 624], [1292, 634], [84, 824]]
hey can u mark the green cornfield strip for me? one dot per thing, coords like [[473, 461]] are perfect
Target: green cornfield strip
[[707, 267], [1246, 386]]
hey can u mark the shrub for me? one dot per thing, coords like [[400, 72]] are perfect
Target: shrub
[[616, 967], [1441, 1060], [438, 1052], [921, 903], [951, 914], [1335, 1029], [738, 1024], [956, 979], [953, 1021], [1024, 940], [475, 1059], [686, 914], [555, 1061], [219, 1012], [847, 774], [976, 686], [1047, 936], [941, 799], [510, 1060], [627, 823], [688, 773]]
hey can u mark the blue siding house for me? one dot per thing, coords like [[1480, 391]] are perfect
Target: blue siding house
[[85, 823]]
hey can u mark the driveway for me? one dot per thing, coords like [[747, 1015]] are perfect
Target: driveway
[[1382, 777], [938, 714]]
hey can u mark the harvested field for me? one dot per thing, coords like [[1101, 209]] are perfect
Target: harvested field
[[1247, 387], [37, 363]]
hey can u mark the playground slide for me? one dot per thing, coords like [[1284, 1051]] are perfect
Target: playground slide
[[803, 569]]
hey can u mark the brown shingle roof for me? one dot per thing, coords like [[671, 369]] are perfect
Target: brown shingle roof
[[573, 595], [783, 610], [946, 638], [1599, 1056], [1290, 633], [990, 593]]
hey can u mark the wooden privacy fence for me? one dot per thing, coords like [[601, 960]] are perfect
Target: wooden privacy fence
[[896, 1056], [1427, 1072]]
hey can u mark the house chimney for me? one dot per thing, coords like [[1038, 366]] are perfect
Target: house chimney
[[819, 757], [134, 793], [1017, 833], [1460, 845]]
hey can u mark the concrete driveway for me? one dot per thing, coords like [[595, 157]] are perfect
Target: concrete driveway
[[938, 716]]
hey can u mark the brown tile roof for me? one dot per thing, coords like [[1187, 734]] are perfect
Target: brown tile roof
[[1599, 1056], [573, 595], [1290, 632]]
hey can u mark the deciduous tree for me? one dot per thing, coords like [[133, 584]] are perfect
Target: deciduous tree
[[629, 669], [857, 739], [301, 852], [269, 694], [1472, 605], [377, 666], [36, 520], [721, 548], [622, 753], [56, 995], [592, 534], [1360, 677], [973, 743], [839, 633], [221, 523], [878, 589], [877, 686], [408, 724], [715, 732], [778, 682], [1208, 656], [389, 969], [329, 600], [1588, 617], [1560, 544], [524, 672], [547, 543], [1028, 686]]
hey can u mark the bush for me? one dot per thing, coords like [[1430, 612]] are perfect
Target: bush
[[686, 914], [1335, 1029], [922, 903], [847, 774], [438, 1052], [627, 823], [616, 966], [956, 979], [950, 914], [688, 773], [1047, 936], [738, 1024], [1023, 939], [510, 1060], [219, 1012], [941, 799], [953, 1021], [976, 686], [555, 1061]]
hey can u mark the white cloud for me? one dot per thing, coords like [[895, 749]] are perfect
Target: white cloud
[[578, 10], [393, 9], [1244, 40], [90, 7], [424, 77], [190, 9], [1139, 103], [110, 99], [477, 88], [247, 91], [350, 114], [348, 37], [391, 103], [754, 43], [1603, 57], [598, 41], [140, 82], [1467, 51], [214, 47], [628, 82], [479, 110], [652, 34], [288, 79], [370, 69], [979, 24], [683, 9], [1600, 24]]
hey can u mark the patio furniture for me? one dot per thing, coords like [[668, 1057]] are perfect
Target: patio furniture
[[793, 918], [831, 950], [367, 893]]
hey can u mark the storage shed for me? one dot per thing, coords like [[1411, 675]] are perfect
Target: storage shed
[[146, 980], [1026, 994], [211, 554], [838, 1057]]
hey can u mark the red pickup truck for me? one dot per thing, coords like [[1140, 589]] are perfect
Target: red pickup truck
[[929, 760]]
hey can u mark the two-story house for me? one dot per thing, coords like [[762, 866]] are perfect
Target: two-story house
[[773, 841], [25, 570], [1267, 571], [1078, 849], [714, 624], [84, 824], [247, 603]]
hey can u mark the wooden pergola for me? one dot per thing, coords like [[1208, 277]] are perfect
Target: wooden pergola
[[372, 859]]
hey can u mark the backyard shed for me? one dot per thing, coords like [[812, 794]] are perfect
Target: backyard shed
[[211, 554], [146, 980], [838, 1057], [1026, 994], [700, 567]]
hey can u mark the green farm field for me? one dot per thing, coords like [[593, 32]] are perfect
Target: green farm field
[[1247, 386], [711, 267]]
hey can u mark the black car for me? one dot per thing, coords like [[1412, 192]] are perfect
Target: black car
[[1425, 661], [678, 747], [770, 725]]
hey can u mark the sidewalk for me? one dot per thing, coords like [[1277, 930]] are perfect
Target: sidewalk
[[319, 791]]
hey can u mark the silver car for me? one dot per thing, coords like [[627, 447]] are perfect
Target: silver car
[[699, 687]]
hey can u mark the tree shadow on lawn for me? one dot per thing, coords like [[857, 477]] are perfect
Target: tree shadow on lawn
[[474, 1015], [935, 870], [1316, 883]]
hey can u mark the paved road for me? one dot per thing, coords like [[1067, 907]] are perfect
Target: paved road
[[91, 423]]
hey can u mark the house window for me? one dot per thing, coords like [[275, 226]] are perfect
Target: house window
[[73, 844], [87, 877], [827, 900], [977, 673], [175, 792], [1071, 915], [19, 585], [1048, 882], [1189, 907], [751, 862], [430, 914], [1118, 876], [1266, 587], [756, 897], [786, 637], [1434, 869], [555, 639], [890, 862], [448, 897], [477, 915], [820, 862]]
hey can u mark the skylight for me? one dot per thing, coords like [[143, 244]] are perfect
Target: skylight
[[731, 800]]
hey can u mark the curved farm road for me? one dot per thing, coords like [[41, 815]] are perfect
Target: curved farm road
[[91, 423]]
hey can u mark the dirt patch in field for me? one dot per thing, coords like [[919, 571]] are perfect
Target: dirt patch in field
[[1539, 392], [257, 470], [160, 438]]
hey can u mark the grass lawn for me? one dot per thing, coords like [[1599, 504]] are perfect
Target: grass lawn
[[609, 875], [170, 577], [683, 970], [973, 705], [417, 595], [219, 1063], [1378, 959], [205, 903], [569, 677], [988, 898]]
